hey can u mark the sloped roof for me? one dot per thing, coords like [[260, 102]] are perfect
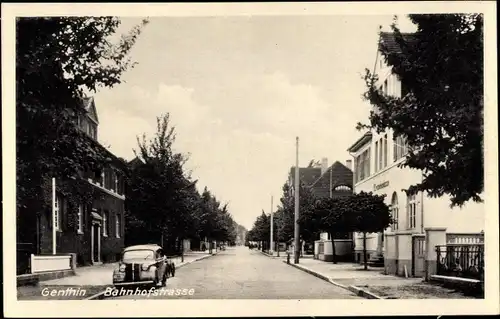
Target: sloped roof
[[388, 39], [340, 175], [307, 175], [136, 161], [360, 142], [89, 106]]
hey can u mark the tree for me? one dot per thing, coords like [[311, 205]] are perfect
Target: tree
[[366, 213], [287, 213], [330, 215], [208, 209], [440, 112], [57, 59], [261, 231], [160, 195]]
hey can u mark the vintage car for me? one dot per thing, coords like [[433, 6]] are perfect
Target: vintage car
[[143, 265]]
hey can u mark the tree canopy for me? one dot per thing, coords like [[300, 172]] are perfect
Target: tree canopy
[[367, 213], [163, 201], [286, 216], [57, 60], [440, 111], [330, 216]]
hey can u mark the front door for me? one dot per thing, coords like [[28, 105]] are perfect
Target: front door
[[418, 256], [96, 243]]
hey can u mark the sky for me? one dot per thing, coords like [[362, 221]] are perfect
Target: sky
[[239, 90]]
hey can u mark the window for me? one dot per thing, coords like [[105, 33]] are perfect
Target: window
[[57, 213], [367, 162], [117, 182], [80, 219], [145, 254], [93, 131], [107, 179], [395, 211], [400, 147], [342, 188], [118, 225], [356, 169], [363, 165], [412, 208], [385, 150], [376, 156], [105, 223], [380, 151]]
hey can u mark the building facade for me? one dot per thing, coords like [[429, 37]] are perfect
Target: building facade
[[334, 182], [376, 161], [328, 182], [91, 229]]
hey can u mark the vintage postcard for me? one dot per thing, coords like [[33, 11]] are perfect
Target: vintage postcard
[[254, 159]]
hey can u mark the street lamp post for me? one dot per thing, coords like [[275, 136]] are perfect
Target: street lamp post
[[297, 185]]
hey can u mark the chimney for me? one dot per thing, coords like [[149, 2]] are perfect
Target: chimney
[[349, 164], [324, 165]]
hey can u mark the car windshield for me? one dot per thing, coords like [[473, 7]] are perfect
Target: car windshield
[[139, 254]]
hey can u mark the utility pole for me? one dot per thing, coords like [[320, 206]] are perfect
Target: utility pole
[[271, 242], [331, 194], [297, 185], [278, 229]]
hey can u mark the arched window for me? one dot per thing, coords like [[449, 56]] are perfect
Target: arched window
[[412, 210], [395, 210], [342, 188]]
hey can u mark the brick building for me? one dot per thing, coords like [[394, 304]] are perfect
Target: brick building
[[95, 233], [324, 181]]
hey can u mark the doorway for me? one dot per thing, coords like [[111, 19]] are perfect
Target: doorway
[[95, 243], [418, 256]]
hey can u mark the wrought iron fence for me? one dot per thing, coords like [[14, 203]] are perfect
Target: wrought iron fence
[[466, 261]]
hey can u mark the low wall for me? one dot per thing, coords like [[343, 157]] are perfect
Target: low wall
[[45, 263], [323, 249]]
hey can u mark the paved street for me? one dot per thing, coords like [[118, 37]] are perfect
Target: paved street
[[240, 273]]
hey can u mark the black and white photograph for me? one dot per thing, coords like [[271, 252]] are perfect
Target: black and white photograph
[[250, 159]]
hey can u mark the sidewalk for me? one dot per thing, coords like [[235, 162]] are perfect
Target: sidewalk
[[283, 254], [372, 283], [93, 279]]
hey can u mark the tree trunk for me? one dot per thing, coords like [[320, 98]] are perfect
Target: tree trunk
[[182, 250], [334, 253], [365, 259]]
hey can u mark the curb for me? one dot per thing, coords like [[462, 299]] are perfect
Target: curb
[[100, 295], [266, 254], [363, 293], [356, 290]]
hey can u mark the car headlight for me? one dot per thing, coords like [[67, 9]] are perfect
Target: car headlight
[[145, 267], [122, 268]]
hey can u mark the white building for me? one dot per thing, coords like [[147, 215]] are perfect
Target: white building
[[404, 245]]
